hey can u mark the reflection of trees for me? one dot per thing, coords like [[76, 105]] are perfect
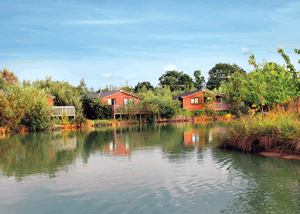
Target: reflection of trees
[[21, 155], [44, 152], [267, 185]]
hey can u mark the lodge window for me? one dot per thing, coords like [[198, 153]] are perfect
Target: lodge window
[[195, 101], [195, 138], [125, 101], [109, 101]]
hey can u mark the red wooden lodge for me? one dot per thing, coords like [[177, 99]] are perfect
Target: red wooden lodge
[[115, 99], [194, 100]]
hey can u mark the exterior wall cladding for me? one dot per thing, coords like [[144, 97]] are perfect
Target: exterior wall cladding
[[50, 101], [187, 102], [119, 97]]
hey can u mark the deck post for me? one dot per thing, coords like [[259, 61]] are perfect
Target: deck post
[[140, 118]]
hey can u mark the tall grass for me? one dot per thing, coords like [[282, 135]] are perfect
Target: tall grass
[[278, 130]]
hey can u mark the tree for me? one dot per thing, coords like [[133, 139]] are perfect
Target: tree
[[199, 81], [266, 84], [24, 105], [141, 84], [220, 72], [7, 78], [99, 109], [82, 88], [176, 80]]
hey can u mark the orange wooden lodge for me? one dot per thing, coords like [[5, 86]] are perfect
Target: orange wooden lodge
[[117, 98], [194, 100]]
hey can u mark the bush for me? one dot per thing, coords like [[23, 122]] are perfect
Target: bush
[[234, 111], [199, 112], [221, 113], [167, 112], [24, 106], [184, 112], [244, 109]]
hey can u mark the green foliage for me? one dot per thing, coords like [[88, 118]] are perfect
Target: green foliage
[[24, 106], [176, 81], [268, 83], [7, 78], [244, 109], [199, 112], [279, 129], [184, 113], [167, 112], [199, 81], [159, 102], [141, 85], [130, 108], [221, 72], [99, 109], [66, 94]]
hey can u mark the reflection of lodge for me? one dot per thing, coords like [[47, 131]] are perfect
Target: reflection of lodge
[[117, 146], [194, 137], [199, 138]]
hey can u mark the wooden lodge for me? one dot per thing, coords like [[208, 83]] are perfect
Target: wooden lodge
[[115, 99], [194, 100]]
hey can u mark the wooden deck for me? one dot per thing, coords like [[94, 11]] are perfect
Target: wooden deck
[[218, 106]]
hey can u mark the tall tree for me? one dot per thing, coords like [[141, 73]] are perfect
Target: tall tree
[[176, 80], [82, 88], [141, 84], [199, 81], [7, 78], [220, 72]]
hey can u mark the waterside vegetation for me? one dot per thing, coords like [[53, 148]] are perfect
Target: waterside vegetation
[[23, 106]]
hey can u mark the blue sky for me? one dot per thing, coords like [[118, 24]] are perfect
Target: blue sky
[[109, 42]]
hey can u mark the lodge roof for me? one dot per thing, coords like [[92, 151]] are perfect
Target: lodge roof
[[183, 95], [105, 94]]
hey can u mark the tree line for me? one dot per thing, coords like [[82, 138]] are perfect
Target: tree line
[[25, 104]]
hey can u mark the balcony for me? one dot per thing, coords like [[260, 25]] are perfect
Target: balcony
[[58, 110]]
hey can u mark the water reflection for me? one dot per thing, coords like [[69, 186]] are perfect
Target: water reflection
[[164, 168], [46, 152]]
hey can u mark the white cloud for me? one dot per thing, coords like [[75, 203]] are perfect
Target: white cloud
[[244, 51], [169, 67], [106, 76], [184, 64]]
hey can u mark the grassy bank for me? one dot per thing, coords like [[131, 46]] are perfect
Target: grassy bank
[[278, 130]]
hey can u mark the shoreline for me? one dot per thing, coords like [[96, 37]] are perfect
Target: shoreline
[[92, 124]]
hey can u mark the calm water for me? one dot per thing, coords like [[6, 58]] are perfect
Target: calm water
[[170, 168]]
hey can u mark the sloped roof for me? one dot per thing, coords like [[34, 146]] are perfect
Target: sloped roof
[[193, 92], [105, 94]]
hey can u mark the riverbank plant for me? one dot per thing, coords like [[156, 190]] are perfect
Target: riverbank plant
[[279, 130]]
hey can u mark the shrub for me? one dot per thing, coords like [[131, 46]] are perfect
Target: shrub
[[199, 112], [244, 109], [24, 106], [184, 112], [167, 112]]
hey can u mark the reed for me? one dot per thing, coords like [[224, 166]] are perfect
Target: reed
[[278, 130]]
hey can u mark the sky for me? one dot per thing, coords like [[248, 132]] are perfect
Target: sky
[[111, 42]]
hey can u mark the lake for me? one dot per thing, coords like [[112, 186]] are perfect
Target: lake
[[161, 168]]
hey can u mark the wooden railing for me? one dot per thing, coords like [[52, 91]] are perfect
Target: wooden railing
[[58, 110], [219, 106]]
